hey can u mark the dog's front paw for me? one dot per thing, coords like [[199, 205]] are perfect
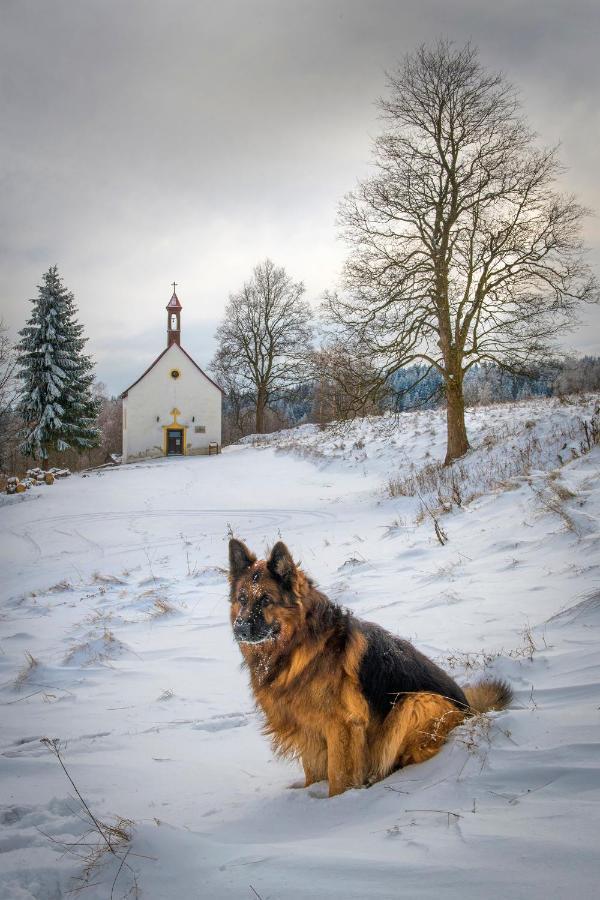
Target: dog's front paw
[[318, 790]]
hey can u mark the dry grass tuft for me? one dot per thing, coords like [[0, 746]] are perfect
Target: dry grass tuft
[[551, 497], [61, 586], [394, 527], [473, 661], [99, 618], [161, 607], [96, 649], [561, 490], [98, 578], [475, 732], [31, 663]]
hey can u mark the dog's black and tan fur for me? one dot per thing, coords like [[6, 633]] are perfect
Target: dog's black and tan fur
[[348, 698]]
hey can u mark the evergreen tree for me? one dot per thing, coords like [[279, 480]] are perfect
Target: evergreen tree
[[55, 400]]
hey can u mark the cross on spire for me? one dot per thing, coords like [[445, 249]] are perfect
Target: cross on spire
[[174, 286]]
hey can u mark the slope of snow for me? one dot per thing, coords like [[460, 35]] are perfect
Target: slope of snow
[[114, 583]]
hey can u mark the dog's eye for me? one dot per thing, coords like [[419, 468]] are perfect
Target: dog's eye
[[242, 599], [266, 600]]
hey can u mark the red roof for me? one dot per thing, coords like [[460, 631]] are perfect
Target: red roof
[[160, 356], [174, 302]]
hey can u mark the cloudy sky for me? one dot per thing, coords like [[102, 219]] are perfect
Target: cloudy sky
[[147, 141]]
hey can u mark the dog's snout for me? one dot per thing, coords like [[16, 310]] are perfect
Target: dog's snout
[[251, 627], [241, 628]]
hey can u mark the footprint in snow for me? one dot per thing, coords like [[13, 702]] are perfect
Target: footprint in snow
[[221, 723], [151, 580], [215, 723], [47, 827], [211, 575], [27, 746]]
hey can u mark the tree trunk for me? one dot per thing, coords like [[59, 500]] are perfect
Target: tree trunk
[[458, 443], [261, 402]]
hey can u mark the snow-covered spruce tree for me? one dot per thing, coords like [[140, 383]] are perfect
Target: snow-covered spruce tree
[[56, 403]]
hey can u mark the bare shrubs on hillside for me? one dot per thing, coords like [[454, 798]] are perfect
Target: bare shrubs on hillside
[[591, 433], [445, 487], [435, 480]]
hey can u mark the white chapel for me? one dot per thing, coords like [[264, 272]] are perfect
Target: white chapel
[[174, 408]]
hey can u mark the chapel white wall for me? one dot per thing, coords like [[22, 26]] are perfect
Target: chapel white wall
[[193, 394]]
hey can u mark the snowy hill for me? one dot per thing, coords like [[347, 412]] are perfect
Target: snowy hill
[[114, 638]]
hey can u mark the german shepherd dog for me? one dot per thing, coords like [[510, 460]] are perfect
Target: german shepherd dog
[[350, 700]]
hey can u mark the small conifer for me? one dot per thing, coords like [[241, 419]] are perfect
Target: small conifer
[[56, 402]]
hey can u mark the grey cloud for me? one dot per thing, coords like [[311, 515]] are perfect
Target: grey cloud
[[146, 141]]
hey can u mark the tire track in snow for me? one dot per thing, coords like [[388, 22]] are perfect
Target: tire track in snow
[[164, 512], [249, 521]]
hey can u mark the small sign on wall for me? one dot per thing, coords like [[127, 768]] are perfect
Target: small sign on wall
[[200, 429]]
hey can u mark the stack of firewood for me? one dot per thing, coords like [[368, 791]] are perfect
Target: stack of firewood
[[10, 484], [14, 486]]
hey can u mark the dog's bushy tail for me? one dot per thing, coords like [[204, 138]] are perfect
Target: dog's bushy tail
[[488, 695]]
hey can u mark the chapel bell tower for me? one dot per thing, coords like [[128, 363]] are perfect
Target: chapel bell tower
[[174, 319]]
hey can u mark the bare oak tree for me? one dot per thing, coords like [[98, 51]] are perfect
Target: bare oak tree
[[462, 249], [264, 340]]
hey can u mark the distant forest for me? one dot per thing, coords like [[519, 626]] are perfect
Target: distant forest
[[414, 387]]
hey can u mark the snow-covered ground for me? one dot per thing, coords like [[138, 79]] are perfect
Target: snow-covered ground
[[114, 638]]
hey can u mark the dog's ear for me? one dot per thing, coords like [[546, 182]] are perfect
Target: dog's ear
[[280, 563], [240, 558]]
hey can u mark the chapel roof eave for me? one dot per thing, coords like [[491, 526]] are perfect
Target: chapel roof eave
[[158, 358]]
